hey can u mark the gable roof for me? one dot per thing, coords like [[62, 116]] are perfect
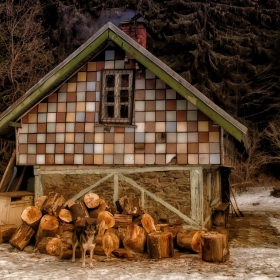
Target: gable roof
[[93, 46]]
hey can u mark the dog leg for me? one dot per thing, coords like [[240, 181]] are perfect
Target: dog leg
[[83, 257], [74, 251], [91, 257]]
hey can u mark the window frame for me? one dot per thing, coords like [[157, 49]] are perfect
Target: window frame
[[117, 103]]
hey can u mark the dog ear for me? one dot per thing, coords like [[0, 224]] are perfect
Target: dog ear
[[86, 222]]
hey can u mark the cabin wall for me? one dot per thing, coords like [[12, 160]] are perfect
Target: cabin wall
[[64, 128]]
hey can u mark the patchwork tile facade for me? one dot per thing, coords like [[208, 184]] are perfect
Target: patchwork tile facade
[[65, 129]]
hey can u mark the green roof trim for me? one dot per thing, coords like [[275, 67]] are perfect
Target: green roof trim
[[90, 49]]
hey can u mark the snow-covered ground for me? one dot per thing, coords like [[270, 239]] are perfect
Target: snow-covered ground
[[249, 262]]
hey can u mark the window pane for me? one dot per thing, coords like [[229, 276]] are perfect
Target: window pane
[[110, 81], [124, 95], [124, 111], [110, 111], [110, 96], [125, 80]]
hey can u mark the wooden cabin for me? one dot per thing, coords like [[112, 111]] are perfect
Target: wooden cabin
[[115, 118]]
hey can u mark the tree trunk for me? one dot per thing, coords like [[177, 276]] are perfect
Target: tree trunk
[[43, 244], [79, 213], [6, 232], [108, 218], [40, 201], [135, 239], [48, 227], [22, 237], [122, 220], [214, 247], [160, 245], [54, 247], [148, 223], [65, 216], [53, 203], [32, 216], [91, 200], [189, 239]]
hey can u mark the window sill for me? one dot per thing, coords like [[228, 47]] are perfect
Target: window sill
[[115, 124]]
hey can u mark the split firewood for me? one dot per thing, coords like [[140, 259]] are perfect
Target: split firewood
[[103, 206], [22, 237], [40, 201], [65, 216], [42, 244], [160, 245], [129, 205], [135, 239], [122, 253], [64, 227], [122, 220], [107, 217], [79, 213], [214, 247], [32, 216], [122, 233], [101, 227], [91, 200], [148, 223], [53, 203], [110, 242], [189, 239], [54, 246], [6, 232], [98, 249], [48, 227]]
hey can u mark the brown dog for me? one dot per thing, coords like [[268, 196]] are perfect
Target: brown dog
[[84, 236]]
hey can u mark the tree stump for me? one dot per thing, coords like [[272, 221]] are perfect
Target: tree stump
[[91, 200], [48, 227], [32, 216], [189, 239], [160, 245], [214, 247], [65, 216], [79, 213], [22, 237], [6, 232], [135, 239], [148, 223], [53, 203]]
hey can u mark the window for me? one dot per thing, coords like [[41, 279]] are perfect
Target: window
[[117, 97]]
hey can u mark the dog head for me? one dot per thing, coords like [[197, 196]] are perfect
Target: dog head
[[91, 229]]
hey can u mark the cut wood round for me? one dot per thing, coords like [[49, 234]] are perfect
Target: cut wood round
[[135, 239], [32, 215], [54, 246], [103, 206], [79, 213], [22, 236], [214, 247], [6, 232], [65, 216], [110, 242], [107, 217], [160, 245], [48, 227], [189, 239], [43, 244], [91, 200], [53, 203], [101, 225], [148, 223], [40, 201]]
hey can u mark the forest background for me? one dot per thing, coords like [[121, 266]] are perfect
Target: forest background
[[228, 49]]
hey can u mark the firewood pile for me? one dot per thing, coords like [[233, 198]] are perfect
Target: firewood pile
[[123, 232]]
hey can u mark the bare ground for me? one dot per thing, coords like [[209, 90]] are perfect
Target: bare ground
[[254, 253]]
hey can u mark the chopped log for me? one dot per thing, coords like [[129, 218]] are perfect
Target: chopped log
[[53, 203], [214, 247], [54, 246], [122, 253], [173, 229], [79, 213], [107, 217], [98, 249], [40, 201], [66, 246], [22, 237], [189, 239], [122, 220], [6, 232], [148, 223], [135, 239], [48, 227], [32, 216], [65, 227], [161, 227], [129, 205], [91, 200], [101, 225], [122, 233], [67, 254], [160, 245], [110, 242], [103, 206], [65, 216], [70, 203], [43, 244]]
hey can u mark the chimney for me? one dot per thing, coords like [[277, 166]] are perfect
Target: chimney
[[136, 29]]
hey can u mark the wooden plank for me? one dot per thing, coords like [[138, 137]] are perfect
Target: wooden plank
[[16, 194], [19, 181], [8, 172]]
